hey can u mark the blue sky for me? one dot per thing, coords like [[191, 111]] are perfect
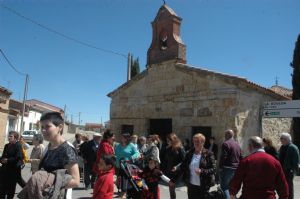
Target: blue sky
[[254, 39]]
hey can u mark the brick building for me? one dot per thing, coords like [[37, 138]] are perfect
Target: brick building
[[93, 127]]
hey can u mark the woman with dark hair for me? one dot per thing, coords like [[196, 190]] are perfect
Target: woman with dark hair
[[60, 153], [11, 161], [58, 164], [105, 148], [37, 152], [128, 152], [174, 155], [269, 148]]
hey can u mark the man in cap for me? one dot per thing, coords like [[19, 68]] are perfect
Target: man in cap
[[89, 154]]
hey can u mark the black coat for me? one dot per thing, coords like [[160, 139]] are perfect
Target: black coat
[[9, 171], [13, 153], [172, 157], [88, 152], [207, 166], [272, 151]]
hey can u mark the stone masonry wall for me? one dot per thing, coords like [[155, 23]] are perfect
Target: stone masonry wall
[[190, 98], [273, 127], [186, 98], [249, 120]]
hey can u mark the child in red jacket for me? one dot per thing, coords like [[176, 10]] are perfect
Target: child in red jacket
[[104, 187]]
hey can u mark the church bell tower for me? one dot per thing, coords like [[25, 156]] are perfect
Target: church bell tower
[[166, 41]]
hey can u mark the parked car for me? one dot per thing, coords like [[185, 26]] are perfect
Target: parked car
[[28, 135]]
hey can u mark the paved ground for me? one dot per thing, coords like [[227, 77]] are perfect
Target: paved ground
[[81, 193]]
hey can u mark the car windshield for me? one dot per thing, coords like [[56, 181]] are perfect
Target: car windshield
[[28, 133]]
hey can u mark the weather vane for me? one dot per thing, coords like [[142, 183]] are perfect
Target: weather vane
[[164, 1]]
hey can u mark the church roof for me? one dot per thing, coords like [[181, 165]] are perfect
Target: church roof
[[168, 9], [188, 68], [282, 91]]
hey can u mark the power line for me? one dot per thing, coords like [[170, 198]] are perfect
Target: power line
[[62, 34], [25, 90], [11, 65]]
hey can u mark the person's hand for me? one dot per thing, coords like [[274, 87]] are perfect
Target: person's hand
[[198, 171], [29, 160], [173, 169], [4, 161], [145, 188], [232, 196]]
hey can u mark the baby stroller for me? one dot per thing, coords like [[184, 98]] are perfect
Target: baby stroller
[[135, 185]]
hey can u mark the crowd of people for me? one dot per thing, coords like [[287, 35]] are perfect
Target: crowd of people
[[261, 174]]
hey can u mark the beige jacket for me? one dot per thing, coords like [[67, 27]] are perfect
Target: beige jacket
[[35, 157]]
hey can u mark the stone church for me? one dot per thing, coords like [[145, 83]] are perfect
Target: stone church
[[172, 96]]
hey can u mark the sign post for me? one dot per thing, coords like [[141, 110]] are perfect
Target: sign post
[[277, 109]]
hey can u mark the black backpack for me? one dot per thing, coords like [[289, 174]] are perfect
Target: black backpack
[[217, 194]]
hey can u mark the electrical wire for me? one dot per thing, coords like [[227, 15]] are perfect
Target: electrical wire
[[11, 65], [61, 34]]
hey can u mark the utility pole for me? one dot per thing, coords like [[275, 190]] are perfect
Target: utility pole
[[65, 115], [129, 67], [24, 99], [72, 118], [79, 118]]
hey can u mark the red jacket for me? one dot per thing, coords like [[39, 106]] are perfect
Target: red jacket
[[104, 187], [260, 174], [104, 149]]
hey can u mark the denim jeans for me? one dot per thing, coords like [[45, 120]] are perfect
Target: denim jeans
[[226, 174]]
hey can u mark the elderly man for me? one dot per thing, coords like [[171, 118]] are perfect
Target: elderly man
[[89, 154], [260, 173], [231, 155], [289, 159]]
